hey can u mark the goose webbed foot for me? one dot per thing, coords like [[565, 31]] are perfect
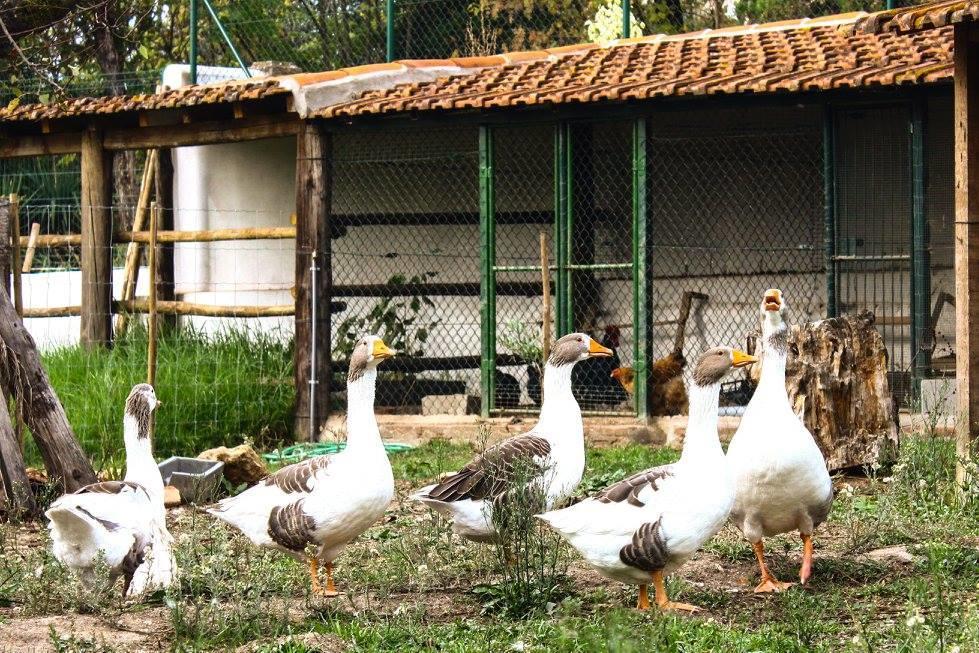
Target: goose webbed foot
[[768, 582], [662, 600]]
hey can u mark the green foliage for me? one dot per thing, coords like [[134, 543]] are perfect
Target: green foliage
[[523, 341], [216, 390], [398, 320]]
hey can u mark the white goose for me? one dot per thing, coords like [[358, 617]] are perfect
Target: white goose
[[313, 509], [121, 523], [780, 476], [646, 526], [555, 447]]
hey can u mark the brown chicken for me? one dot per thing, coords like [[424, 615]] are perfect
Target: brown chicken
[[667, 393]]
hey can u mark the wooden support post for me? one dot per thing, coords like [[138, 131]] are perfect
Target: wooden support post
[[7, 238], [13, 473], [165, 285], [23, 377], [15, 255], [130, 275], [314, 148], [966, 240], [151, 263], [31, 248], [96, 167]]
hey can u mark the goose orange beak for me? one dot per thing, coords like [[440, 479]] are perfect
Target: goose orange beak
[[740, 359], [381, 351], [595, 348], [773, 299]]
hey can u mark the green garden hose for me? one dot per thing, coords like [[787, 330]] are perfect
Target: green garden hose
[[302, 451]]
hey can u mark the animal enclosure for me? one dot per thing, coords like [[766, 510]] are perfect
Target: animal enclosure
[[661, 229]]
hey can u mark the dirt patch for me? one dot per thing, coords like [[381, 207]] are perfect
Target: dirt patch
[[144, 630]]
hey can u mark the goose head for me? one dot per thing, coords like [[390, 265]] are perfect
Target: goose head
[[713, 364], [368, 353], [140, 405], [773, 309], [576, 347]]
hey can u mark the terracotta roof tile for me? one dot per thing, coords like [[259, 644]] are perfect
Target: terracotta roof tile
[[920, 17], [186, 96], [842, 51], [789, 56]]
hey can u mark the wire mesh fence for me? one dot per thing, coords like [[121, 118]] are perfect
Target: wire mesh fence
[[436, 246]]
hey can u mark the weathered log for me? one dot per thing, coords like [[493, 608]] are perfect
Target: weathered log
[[23, 377], [13, 473], [836, 378]]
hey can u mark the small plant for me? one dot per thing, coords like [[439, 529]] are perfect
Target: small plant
[[523, 341], [398, 320], [532, 558]]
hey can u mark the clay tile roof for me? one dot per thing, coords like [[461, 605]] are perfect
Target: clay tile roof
[[831, 52], [803, 55], [920, 17], [186, 96]]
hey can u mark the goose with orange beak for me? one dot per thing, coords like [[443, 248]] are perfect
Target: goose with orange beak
[[312, 509], [550, 456], [642, 528], [780, 476]]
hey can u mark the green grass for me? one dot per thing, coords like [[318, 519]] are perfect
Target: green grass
[[216, 390], [409, 585]]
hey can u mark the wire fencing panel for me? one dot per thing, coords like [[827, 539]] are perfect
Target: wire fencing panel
[[873, 250], [406, 258], [601, 257], [523, 170], [735, 201]]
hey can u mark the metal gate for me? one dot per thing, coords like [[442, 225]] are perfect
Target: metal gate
[[874, 221]]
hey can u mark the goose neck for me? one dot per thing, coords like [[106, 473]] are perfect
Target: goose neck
[[558, 402], [775, 355], [140, 465], [362, 430], [701, 440]]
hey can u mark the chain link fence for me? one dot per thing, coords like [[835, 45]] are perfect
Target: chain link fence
[[436, 245]]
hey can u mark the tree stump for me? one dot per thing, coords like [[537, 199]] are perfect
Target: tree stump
[[836, 379]]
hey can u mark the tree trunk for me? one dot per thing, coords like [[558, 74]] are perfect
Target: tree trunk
[[13, 473], [836, 379], [22, 375]]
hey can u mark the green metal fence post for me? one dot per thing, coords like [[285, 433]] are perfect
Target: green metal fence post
[[389, 17], [641, 271], [626, 17], [487, 287], [193, 41], [829, 212], [920, 255], [226, 37], [562, 227], [891, 4]]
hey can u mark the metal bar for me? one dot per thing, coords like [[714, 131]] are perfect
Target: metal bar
[[921, 336], [641, 281], [227, 39], [626, 16], [599, 266], [563, 225], [487, 295], [872, 257], [389, 18], [829, 212], [193, 41], [519, 268], [891, 4], [312, 346]]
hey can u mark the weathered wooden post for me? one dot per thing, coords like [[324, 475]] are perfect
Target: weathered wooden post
[[314, 150], [13, 473], [165, 286], [966, 241], [23, 378], [96, 169]]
